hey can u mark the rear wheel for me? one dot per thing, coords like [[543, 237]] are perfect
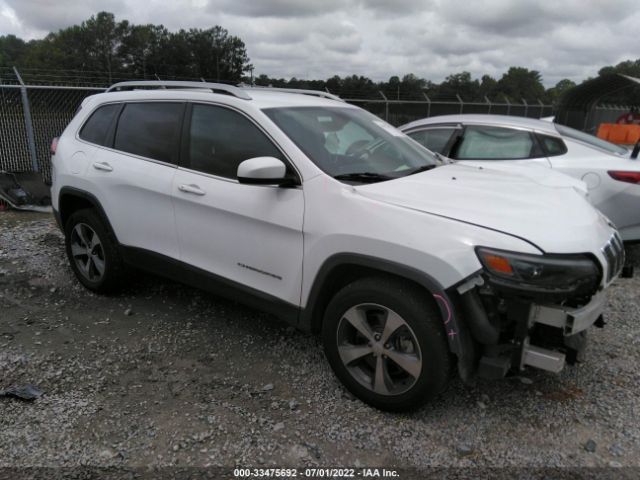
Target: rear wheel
[[385, 341], [93, 253]]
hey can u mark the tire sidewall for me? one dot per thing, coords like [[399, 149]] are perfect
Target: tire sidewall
[[89, 218], [425, 322]]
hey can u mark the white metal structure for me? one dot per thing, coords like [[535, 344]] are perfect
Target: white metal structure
[[320, 212], [611, 175]]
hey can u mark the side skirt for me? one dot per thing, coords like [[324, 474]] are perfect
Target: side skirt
[[196, 277]]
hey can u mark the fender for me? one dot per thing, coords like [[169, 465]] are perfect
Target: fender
[[451, 322], [76, 192]]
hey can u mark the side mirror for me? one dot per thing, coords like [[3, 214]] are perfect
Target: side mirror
[[635, 151], [263, 171]]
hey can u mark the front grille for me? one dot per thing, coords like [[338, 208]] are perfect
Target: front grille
[[614, 253]]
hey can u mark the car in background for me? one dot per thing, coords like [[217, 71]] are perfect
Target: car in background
[[611, 174]]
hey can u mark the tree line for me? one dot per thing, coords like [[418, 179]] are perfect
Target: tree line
[[107, 50]]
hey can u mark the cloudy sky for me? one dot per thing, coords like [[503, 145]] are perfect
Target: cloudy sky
[[380, 38]]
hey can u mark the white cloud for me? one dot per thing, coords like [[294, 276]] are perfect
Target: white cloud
[[380, 38]]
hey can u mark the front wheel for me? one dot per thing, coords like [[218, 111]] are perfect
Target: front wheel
[[385, 341]]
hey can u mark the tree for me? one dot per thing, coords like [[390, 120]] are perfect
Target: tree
[[521, 83], [217, 55], [141, 48], [556, 93], [12, 50], [628, 67], [488, 87], [460, 84]]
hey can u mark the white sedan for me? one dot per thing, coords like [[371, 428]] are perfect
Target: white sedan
[[611, 174]]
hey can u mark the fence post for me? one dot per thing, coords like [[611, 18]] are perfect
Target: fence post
[[428, 104], [508, 105], [461, 103], [486, 99], [526, 107], [386, 106], [541, 108], [28, 122]]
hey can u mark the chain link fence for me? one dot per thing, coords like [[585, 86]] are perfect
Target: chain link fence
[[36, 107], [30, 117]]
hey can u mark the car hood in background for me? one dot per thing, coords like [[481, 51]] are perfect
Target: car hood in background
[[539, 174], [554, 217]]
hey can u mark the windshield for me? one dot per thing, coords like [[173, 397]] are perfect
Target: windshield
[[591, 140], [352, 144]]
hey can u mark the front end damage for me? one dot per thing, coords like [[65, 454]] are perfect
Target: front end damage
[[533, 310]]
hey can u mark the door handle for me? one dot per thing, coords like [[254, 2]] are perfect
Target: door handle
[[195, 189], [104, 166]]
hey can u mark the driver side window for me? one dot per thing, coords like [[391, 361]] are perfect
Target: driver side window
[[220, 139]]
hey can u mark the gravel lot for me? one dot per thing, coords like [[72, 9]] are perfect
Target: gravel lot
[[167, 375]]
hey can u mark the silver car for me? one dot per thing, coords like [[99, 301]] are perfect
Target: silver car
[[611, 174]]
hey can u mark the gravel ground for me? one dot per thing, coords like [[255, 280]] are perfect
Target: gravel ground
[[166, 375]]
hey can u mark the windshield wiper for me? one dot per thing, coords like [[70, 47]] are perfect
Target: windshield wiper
[[423, 168], [365, 177]]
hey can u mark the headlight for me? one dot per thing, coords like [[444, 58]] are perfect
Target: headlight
[[541, 273]]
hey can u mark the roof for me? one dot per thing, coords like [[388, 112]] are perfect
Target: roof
[[260, 97], [486, 119], [575, 104]]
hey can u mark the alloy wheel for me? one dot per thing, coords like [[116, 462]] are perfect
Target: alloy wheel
[[87, 252], [379, 349]]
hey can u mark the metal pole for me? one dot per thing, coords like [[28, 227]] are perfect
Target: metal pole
[[461, 103], [508, 105], [386, 106], [28, 122], [428, 104], [541, 108], [526, 107], [486, 99]]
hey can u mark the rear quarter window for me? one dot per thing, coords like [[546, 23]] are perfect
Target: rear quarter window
[[553, 146], [96, 128]]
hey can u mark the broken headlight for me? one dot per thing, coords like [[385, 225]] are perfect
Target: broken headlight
[[541, 273]]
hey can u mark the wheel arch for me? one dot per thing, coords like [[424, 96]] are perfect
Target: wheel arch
[[73, 199], [343, 268]]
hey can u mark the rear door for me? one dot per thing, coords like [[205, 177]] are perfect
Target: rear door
[[250, 235], [133, 174]]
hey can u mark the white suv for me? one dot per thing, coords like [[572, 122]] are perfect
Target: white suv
[[323, 214]]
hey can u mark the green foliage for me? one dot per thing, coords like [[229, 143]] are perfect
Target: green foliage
[[120, 49], [521, 83], [564, 85]]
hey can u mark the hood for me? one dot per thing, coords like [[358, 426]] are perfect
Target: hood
[[539, 174], [551, 215]]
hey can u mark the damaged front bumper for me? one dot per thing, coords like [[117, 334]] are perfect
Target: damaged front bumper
[[512, 331]]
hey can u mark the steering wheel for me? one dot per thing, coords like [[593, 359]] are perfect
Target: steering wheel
[[356, 147]]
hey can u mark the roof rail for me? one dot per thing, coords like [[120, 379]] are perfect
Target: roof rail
[[214, 87], [316, 93]]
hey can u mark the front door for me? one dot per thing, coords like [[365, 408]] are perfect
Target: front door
[[249, 234]]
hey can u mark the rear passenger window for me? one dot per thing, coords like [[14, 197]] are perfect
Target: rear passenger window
[[435, 139], [96, 129], [150, 130], [553, 145], [220, 139], [496, 143]]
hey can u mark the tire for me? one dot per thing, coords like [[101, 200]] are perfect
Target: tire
[[102, 269], [417, 341]]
